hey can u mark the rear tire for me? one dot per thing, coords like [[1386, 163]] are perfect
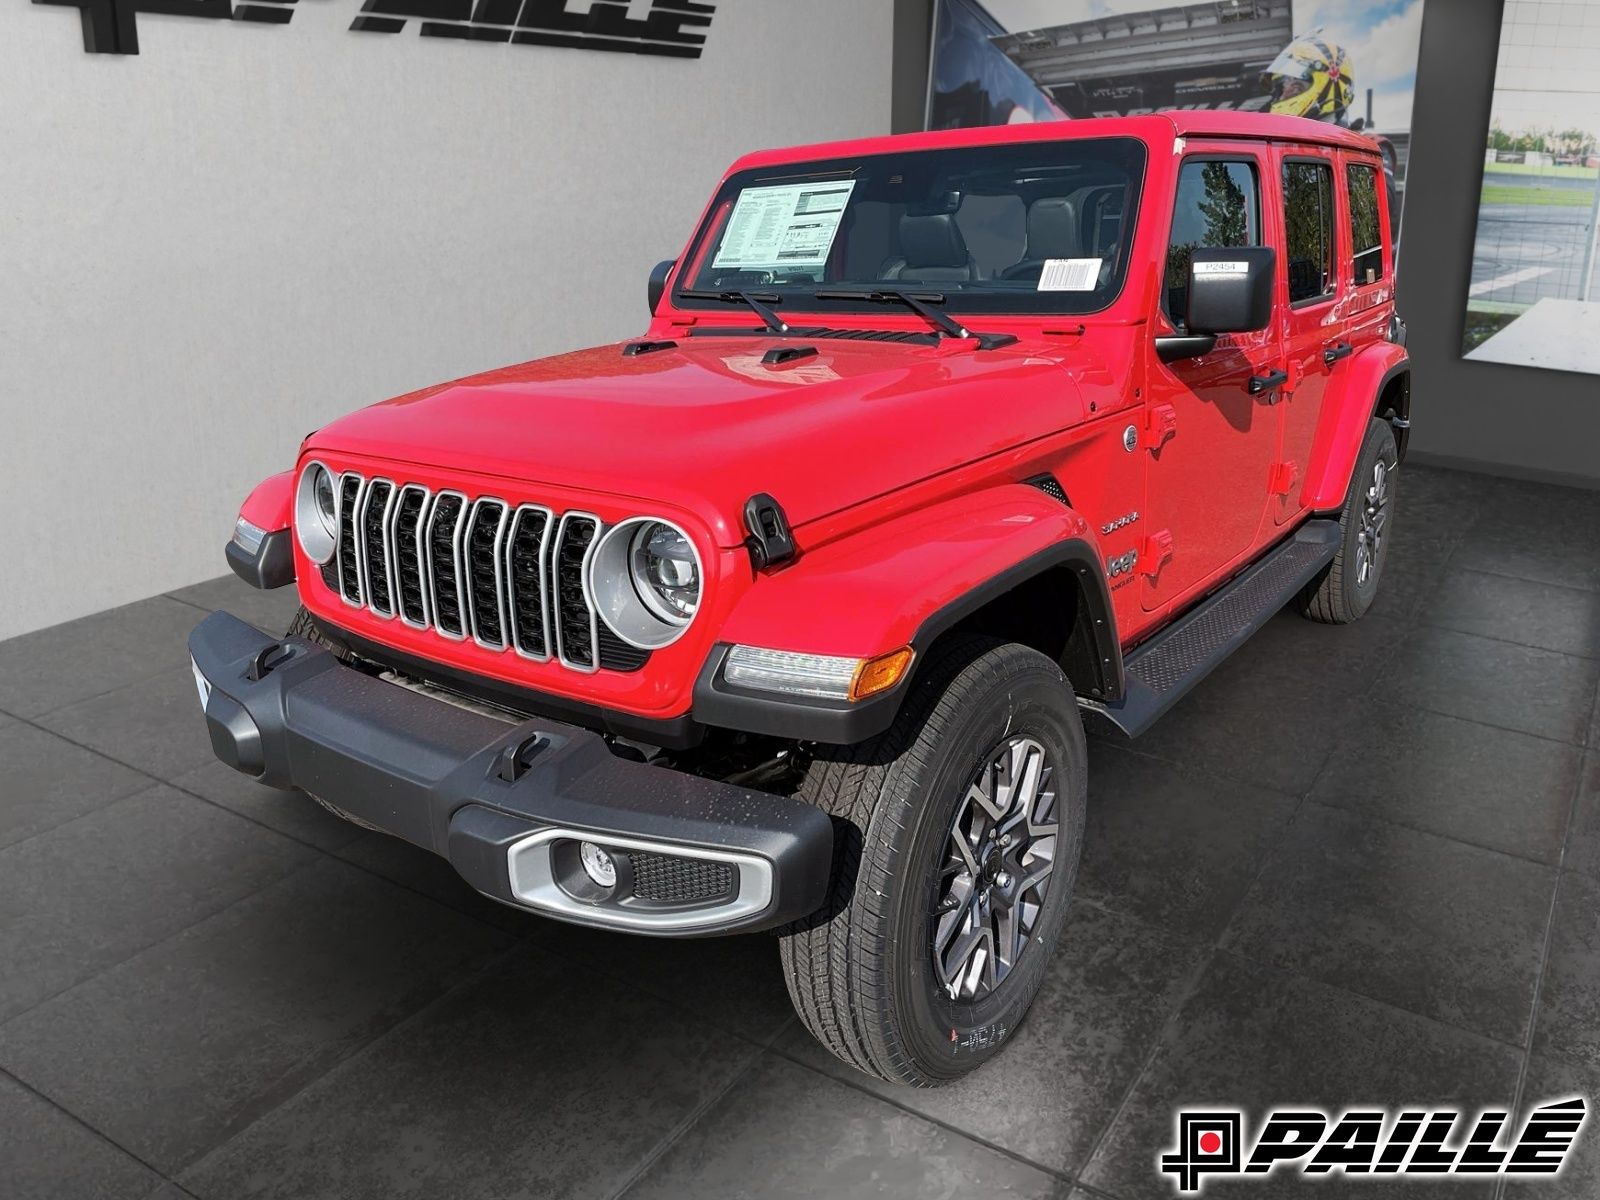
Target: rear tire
[[988, 741], [1347, 588]]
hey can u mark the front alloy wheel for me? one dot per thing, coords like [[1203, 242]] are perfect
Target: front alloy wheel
[[957, 835], [996, 875]]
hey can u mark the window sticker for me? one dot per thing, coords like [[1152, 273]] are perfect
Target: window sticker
[[1070, 275], [786, 226], [1222, 268]]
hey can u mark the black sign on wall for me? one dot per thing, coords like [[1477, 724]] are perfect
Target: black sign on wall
[[665, 27]]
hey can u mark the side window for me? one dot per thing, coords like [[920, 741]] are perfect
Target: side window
[[1308, 227], [1365, 237], [1219, 204]]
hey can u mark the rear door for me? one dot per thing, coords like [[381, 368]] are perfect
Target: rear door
[[1314, 342], [1207, 489]]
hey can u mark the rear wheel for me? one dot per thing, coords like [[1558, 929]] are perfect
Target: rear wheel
[[1344, 592], [958, 834]]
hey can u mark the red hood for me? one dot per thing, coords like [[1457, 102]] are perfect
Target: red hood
[[706, 425]]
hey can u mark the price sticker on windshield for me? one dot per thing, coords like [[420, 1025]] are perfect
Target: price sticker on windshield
[[1070, 275]]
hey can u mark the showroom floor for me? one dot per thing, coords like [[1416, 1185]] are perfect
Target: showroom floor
[[1357, 865]]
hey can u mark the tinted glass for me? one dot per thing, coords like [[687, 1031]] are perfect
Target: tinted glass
[[1367, 241], [1030, 227], [1219, 204], [1308, 220]]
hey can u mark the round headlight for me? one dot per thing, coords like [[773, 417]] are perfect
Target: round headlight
[[666, 571], [645, 582], [316, 513]]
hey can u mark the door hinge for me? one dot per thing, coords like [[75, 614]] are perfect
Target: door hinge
[[1283, 477], [1160, 423], [1155, 552]]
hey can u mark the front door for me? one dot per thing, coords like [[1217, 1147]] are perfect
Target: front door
[[1208, 482]]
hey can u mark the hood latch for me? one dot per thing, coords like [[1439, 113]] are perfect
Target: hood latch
[[771, 543]]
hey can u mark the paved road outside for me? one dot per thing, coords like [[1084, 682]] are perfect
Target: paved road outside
[[1532, 250]]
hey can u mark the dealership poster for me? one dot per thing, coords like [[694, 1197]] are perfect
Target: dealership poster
[[1534, 295], [1352, 62]]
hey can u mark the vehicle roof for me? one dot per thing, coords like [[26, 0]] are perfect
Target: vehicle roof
[[1154, 127]]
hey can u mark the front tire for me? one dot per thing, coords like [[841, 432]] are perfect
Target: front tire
[[1347, 588], [957, 839]]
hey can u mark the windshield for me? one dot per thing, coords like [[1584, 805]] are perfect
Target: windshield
[[1030, 227]]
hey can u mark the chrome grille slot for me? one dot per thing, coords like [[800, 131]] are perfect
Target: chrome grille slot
[[486, 594], [373, 551], [474, 569], [527, 549], [351, 487], [406, 554], [576, 626], [444, 563]]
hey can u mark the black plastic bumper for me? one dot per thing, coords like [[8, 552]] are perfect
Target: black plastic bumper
[[474, 789]]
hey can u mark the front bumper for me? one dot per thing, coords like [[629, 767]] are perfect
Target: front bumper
[[509, 804]]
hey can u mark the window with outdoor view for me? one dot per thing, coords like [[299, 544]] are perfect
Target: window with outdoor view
[[1366, 261], [1219, 204], [1308, 221]]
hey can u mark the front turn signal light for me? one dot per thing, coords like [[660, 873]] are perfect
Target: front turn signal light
[[879, 674]]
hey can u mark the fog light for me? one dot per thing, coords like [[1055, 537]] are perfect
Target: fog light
[[597, 865]]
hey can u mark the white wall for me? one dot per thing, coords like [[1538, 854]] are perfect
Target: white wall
[[211, 248]]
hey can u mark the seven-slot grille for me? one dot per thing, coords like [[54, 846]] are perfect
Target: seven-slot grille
[[480, 570]]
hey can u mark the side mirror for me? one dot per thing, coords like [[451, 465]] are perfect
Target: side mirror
[[1230, 289], [658, 282]]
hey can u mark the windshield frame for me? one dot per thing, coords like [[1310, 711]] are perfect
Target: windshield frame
[[998, 302]]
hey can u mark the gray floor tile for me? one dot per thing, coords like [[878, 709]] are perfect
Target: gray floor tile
[[1507, 791], [1446, 930], [1563, 619], [48, 781], [1569, 1004], [1417, 562], [734, 982], [1549, 1080], [1111, 988], [1254, 1038], [1555, 542], [268, 611], [542, 1079], [155, 725], [1310, 655], [1173, 846], [67, 663], [789, 1132], [1516, 687], [46, 1155], [290, 812], [239, 1012], [86, 895], [1262, 729], [1583, 841], [433, 876]]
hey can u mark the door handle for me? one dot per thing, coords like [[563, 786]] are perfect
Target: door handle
[[1263, 383], [1332, 354]]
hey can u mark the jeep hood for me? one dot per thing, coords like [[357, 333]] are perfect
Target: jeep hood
[[707, 424]]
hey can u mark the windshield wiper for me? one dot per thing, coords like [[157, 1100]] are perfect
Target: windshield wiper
[[917, 302], [757, 301]]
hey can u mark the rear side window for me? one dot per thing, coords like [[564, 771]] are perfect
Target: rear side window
[[1218, 205], [1308, 221], [1365, 238]]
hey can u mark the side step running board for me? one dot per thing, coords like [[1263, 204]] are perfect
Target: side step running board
[[1169, 664]]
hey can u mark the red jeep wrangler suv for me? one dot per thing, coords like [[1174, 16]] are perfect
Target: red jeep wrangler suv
[[786, 615]]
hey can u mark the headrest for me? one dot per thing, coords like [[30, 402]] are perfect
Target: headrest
[[932, 241], [1053, 230]]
